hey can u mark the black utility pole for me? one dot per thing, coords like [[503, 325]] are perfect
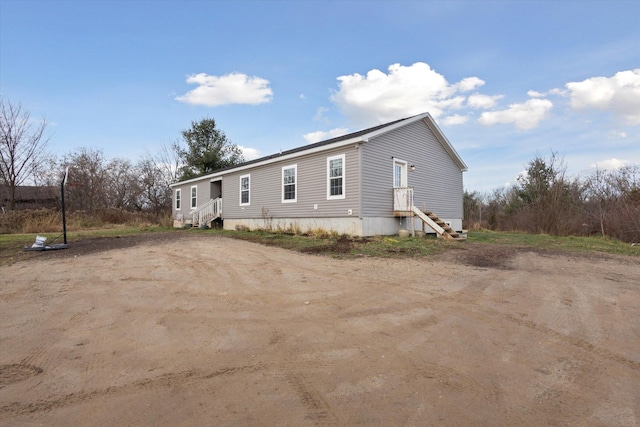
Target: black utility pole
[[64, 218]]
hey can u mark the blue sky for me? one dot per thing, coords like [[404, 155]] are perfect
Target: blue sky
[[506, 81]]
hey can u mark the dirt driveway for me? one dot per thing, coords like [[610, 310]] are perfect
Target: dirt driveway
[[213, 331]]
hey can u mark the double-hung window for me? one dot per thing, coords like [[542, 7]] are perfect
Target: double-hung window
[[335, 177], [194, 197], [245, 188], [177, 199], [289, 181]]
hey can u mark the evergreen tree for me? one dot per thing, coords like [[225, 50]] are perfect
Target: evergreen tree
[[206, 150]]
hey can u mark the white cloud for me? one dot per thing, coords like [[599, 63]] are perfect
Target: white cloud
[[560, 92], [406, 90], [619, 94], [535, 94], [320, 114], [525, 116], [321, 135], [614, 134], [523, 175], [249, 153], [455, 119], [478, 100], [610, 164], [234, 88], [469, 83]]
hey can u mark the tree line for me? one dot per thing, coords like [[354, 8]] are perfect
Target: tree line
[[546, 200], [97, 182]]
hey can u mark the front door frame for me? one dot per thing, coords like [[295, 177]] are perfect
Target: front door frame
[[400, 177], [402, 194], [215, 184]]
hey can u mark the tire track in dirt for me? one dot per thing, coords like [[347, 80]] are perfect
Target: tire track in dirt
[[164, 380], [10, 374], [468, 298], [39, 357], [95, 361], [229, 270], [295, 371], [464, 303], [456, 380], [317, 407], [573, 341]]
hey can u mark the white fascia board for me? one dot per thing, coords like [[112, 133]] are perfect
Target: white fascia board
[[188, 181], [214, 176], [394, 126]]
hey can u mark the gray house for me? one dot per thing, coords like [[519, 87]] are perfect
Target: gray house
[[399, 175]]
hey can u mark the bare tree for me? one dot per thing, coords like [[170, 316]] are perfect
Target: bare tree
[[472, 207], [22, 145], [544, 199], [88, 179], [155, 194], [613, 202], [121, 184], [157, 171], [167, 160]]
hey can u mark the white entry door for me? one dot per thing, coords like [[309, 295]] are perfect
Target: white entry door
[[402, 195], [399, 173]]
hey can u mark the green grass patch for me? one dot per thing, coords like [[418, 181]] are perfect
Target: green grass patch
[[343, 246], [394, 246], [543, 241], [282, 240]]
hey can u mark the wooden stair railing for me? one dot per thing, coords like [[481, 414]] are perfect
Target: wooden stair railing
[[438, 225]]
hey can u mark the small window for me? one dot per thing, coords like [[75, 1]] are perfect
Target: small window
[[245, 187], [194, 197], [177, 199], [289, 188], [335, 177]]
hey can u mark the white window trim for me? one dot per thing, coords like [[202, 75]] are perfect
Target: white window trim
[[344, 172], [193, 198], [177, 199], [248, 176], [404, 178], [295, 198]]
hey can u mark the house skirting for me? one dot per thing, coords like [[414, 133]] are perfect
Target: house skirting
[[351, 226], [354, 226], [383, 226]]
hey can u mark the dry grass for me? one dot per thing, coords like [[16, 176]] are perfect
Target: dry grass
[[50, 220]]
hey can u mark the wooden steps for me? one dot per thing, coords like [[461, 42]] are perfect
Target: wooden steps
[[438, 225], [450, 231]]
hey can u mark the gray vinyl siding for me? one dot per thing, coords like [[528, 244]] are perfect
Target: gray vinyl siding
[[368, 168], [311, 186], [437, 180], [202, 196]]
